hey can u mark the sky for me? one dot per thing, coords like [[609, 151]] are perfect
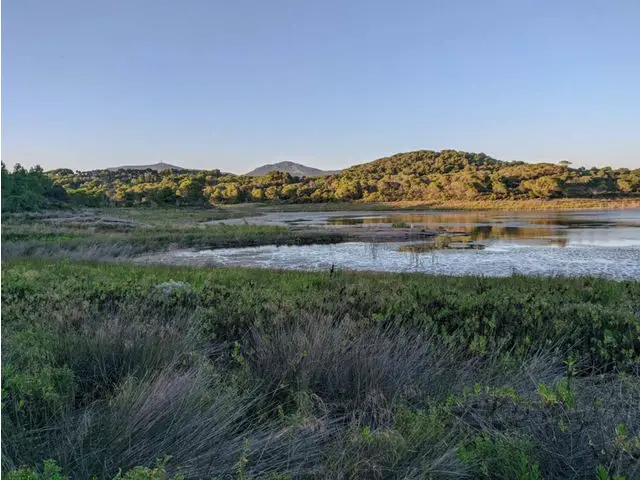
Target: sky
[[329, 83]]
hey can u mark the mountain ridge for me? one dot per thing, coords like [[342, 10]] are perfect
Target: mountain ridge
[[158, 167], [292, 168]]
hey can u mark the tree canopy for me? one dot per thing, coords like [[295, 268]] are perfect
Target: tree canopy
[[25, 190]]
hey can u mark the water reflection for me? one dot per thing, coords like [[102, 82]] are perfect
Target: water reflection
[[596, 219], [441, 243], [534, 228]]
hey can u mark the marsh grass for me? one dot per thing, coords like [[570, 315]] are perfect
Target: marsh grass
[[94, 236], [325, 375], [399, 225]]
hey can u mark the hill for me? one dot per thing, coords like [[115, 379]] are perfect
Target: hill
[[292, 168], [158, 167], [422, 176]]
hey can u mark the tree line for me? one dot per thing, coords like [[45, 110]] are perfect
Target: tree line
[[419, 176], [28, 190]]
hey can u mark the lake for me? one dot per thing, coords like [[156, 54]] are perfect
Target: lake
[[569, 243]]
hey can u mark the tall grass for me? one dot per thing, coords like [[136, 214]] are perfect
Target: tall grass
[[348, 366]]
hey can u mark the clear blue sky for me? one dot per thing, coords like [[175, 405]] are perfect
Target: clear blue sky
[[235, 84]]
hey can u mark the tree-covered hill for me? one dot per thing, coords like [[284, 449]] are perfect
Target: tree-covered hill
[[456, 175], [423, 175]]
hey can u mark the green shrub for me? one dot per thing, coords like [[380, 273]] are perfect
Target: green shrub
[[500, 457], [158, 472], [602, 473], [50, 471], [399, 225], [558, 394]]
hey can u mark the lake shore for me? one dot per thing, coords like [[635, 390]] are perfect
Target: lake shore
[[128, 232], [516, 205]]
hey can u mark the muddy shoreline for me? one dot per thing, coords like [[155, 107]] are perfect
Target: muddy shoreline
[[321, 222]]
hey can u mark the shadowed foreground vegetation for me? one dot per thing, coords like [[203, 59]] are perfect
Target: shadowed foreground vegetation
[[237, 373]]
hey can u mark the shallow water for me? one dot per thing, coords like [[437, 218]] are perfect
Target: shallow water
[[598, 243], [561, 228]]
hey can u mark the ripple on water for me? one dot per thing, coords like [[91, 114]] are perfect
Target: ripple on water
[[495, 260]]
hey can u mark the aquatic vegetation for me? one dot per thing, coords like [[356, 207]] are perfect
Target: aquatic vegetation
[[399, 225]]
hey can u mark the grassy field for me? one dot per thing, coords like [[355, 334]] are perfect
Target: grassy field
[[238, 373]]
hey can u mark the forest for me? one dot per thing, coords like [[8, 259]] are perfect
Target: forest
[[448, 175]]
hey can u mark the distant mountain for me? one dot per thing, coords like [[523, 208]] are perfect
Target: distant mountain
[[158, 167], [295, 169]]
